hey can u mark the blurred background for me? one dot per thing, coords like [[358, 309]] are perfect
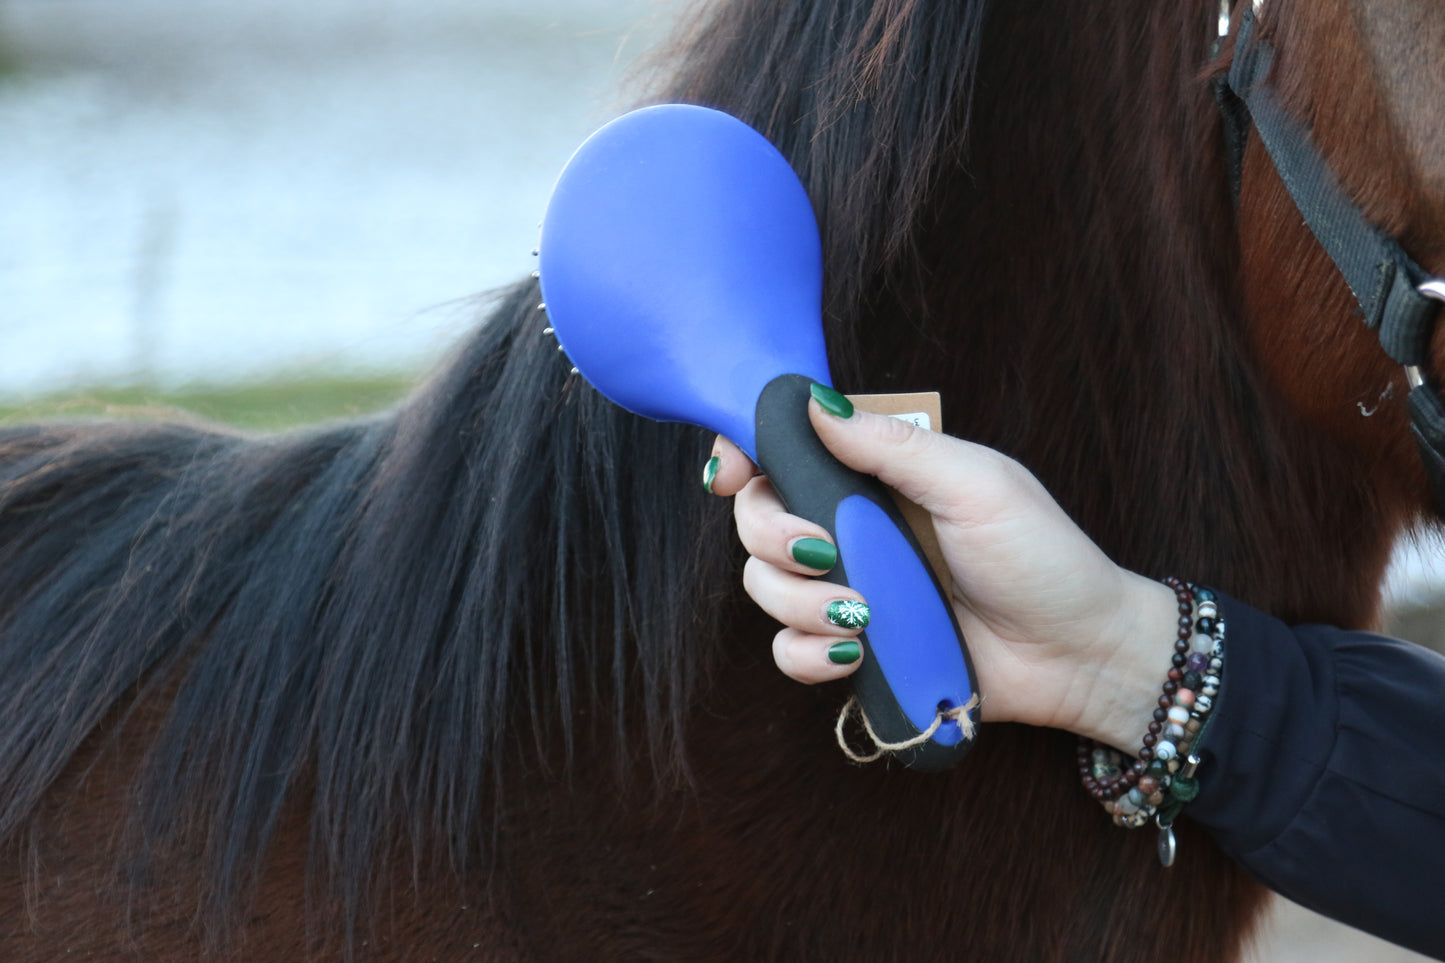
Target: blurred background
[[212, 191], [268, 211]]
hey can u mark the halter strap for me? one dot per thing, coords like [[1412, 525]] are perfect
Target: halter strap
[[1383, 278], [1396, 296]]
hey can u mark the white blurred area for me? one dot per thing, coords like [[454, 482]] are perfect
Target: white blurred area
[[216, 190], [1417, 577]]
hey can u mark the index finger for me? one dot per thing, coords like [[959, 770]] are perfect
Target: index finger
[[728, 470]]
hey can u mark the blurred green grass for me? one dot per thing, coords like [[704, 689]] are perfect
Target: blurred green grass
[[265, 406]]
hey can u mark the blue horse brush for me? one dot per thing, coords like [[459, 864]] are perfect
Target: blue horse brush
[[682, 272]]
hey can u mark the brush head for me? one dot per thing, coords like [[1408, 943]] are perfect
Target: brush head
[[681, 268]]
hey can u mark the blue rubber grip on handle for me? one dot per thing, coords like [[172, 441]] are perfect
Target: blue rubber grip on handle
[[911, 633], [915, 660]]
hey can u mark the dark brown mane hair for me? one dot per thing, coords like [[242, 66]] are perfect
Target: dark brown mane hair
[[376, 615], [880, 118]]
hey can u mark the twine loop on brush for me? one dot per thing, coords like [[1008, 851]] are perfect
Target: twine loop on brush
[[958, 714]]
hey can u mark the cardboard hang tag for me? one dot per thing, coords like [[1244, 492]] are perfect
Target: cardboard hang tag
[[923, 409]]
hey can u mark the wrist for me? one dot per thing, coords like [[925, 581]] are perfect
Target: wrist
[[1136, 651], [1160, 780]]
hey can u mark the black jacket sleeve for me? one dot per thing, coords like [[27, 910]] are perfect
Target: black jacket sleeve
[[1323, 772]]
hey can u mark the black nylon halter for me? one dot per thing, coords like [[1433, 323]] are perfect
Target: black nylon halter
[[1398, 299]]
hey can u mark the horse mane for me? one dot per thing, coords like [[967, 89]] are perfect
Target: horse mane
[[387, 618], [870, 103]]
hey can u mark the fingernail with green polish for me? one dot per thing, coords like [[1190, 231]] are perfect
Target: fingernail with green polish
[[834, 402], [709, 474], [848, 613], [814, 553], [845, 653]]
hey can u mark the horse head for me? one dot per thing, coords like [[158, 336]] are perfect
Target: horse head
[[1363, 79]]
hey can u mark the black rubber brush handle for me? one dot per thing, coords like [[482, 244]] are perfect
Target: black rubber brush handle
[[915, 662]]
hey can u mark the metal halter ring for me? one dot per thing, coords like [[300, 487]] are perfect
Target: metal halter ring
[[1435, 290], [1226, 7]]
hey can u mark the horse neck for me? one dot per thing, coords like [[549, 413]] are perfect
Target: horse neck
[[1090, 306]]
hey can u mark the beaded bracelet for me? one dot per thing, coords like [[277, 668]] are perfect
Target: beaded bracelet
[[1160, 780]]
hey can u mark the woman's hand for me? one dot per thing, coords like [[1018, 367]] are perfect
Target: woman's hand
[[1059, 635]]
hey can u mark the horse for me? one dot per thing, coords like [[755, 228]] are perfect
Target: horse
[[473, 678]]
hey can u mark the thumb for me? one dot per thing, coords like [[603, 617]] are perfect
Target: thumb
[[926, 467]]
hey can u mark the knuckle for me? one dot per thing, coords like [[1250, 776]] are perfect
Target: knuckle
[[751, 521], [753, 580], [910, 440], [1008, 473], [753, 572]]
